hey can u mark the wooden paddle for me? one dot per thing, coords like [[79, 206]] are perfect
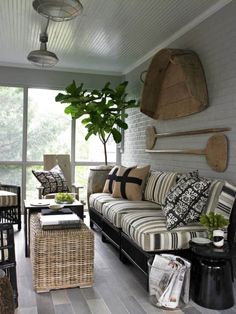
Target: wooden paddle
[[216, 152], [151, 134]]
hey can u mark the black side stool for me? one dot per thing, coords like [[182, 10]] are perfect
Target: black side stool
[[211, 276]]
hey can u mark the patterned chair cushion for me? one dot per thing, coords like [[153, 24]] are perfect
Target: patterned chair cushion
[[114, 210], [8, 199], [97, 200], [130, 183], [148, 230], [53, 181], [158, 186], [186, 200]]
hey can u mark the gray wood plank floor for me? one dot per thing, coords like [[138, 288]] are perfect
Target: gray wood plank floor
[[118, 289]]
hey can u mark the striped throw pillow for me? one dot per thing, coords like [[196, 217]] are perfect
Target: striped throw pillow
[[214, 193], [226, 200], [158, 186], [130, 183]]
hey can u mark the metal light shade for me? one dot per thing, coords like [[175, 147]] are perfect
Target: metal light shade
[[58, 10], [43, 57]]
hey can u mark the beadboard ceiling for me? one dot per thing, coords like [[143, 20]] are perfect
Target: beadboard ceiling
[[110, 36]]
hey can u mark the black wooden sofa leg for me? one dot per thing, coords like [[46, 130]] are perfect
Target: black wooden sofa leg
[[91, 224], [123, 258]]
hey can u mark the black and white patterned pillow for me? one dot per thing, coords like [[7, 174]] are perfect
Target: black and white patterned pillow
[[186, 200], [52, 181]]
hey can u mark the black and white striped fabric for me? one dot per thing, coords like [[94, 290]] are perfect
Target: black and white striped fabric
[[8, 199], [148, 230], [158, 186], [226, 200], [214, 193], [114, 210], [97, 200]]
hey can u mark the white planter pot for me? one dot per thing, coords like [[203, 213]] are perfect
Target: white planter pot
[[218, 238]]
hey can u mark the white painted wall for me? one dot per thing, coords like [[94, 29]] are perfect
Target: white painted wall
[[40, 78], [214, 40]]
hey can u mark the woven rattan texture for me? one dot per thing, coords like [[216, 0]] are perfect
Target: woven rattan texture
[[61, 258]]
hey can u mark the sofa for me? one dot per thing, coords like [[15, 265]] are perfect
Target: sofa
[[138, 228]]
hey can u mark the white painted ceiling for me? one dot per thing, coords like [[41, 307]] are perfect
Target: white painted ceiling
[[110, 35]]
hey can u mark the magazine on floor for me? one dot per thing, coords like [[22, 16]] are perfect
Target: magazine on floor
[[169, 280]]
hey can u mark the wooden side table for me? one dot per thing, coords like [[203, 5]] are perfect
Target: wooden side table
[[211, 276]]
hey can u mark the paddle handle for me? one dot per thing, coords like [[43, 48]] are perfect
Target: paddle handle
[[193, 132], [178, 151]]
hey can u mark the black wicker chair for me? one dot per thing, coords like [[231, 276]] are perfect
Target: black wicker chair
[[7, 256], [10, 204]]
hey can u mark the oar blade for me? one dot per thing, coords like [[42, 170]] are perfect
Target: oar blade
[[217, 152], [150, 137]]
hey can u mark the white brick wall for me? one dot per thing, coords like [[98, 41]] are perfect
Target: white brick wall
[[214, 40]]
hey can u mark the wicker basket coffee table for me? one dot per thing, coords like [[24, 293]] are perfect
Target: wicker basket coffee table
[[61, 258]]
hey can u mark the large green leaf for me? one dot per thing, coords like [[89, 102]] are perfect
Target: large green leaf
[[86, 120], [60, 97], [71, 89], [116, 135], [120, 89], [88, 135], [122, 124]]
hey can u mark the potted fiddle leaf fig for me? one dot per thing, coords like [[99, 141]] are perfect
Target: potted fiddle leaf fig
[[103, 111]]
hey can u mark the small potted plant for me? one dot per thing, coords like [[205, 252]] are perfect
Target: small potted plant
[[214, 223]]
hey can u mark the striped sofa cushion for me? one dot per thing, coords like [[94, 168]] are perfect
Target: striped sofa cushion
[[114, 210], [148, 230], [97, 200], [226, 200], [158, 186], [214, 193], [8, 198]]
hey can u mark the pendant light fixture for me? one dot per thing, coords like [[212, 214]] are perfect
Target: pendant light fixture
[[43, 57], [58, 10]]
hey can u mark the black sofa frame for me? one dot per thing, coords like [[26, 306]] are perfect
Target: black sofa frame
[[129, 250]]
